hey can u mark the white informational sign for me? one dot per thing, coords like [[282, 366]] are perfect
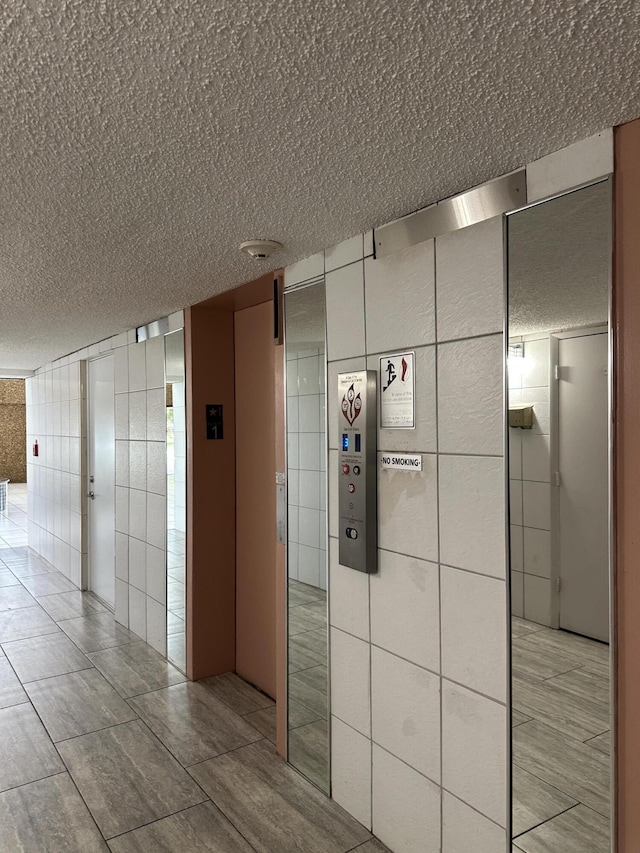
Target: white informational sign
[[401, 461], [397, 391]]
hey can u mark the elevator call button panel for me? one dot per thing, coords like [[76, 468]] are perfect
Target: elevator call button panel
[[357, 477]]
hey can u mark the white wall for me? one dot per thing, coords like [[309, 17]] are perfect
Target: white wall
[[530, 487], [306, 463], [419, 650], [55, 479]]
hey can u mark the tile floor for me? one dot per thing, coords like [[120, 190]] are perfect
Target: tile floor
[[561, 765], [104, 745], [308, 687]]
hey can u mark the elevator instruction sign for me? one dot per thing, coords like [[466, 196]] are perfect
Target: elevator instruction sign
[[397, 391]]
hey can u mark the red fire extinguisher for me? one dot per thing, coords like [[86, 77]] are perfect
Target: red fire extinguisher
[[35, 448]]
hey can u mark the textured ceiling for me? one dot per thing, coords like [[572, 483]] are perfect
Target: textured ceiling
[[559, 262], [142, 140]]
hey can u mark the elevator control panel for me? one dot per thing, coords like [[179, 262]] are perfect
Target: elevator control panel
[[357, 504]]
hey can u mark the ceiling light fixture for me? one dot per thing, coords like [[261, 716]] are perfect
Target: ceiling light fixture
[[260, 249]]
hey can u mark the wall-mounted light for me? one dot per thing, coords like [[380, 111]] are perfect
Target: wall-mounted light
[[516, 363]]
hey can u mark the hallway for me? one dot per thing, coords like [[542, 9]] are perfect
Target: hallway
[[106, 746]]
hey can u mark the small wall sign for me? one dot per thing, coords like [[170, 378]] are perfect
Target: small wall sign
[[397, 391], [401, 461], [214, 421]]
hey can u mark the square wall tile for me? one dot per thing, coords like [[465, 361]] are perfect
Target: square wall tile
[[121, 370], [157, 467], [122, 416], [122, 557], [122, 509], [407, 510], [309, 527], [537, 552], [157, 626], [400, 299], [122, 603], [405, 710], [309, 408], [470, 280], [536, 363], [516, 549], [474, 631], [344, 253], [304, 270], [424, 437], [405, 616], [137, 367], [156, 415], [137, 514], [138, 612], [311, 448], [536, 457], [515, 453], [137, 564], [517, 594], [471, 396], [309, 564], [406, 806], [156, 520], [122, 463], [333, 369], [345, 312], [348, 596], [536, 504], [154, 356], [539, 399], [464, 829], [472, 516], [309, 494], [515, 501], [350, 682], [138, 415], [474, 750], [138, 465], [156, 583], [351, 771], [537, 600]]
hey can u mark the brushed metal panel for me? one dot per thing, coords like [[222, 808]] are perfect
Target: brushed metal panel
[[484, 202]]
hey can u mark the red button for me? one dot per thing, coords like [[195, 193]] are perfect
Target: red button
[[345, 468], [352, 488]]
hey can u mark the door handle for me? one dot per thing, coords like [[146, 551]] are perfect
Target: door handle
[[91, 495]]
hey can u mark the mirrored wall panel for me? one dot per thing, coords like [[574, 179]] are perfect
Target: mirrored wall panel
[[559, 376], [308, 737], [176, 497]]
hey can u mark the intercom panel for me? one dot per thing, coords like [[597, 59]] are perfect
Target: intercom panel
[[357, 480]]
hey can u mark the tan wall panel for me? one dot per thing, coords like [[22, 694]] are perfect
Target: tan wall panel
[[13, 430], [627, 483]]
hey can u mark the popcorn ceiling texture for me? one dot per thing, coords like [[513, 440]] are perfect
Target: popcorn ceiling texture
[[142, 140]]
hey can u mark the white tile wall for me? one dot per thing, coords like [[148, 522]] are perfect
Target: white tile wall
[[465, 829], [306, 443], [351, 770], [530, 488], [55, 417], [474, 750], [451, 512], [406, 806]]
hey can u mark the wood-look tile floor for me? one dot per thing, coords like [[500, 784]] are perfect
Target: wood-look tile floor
[[308, 682], [561, 723], [105, 746]]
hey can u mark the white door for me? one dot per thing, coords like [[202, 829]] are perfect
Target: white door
[[101, 470], [584, 482]]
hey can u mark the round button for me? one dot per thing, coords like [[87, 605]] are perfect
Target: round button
[[352, 488], [345, 468], [356, 469], [351, 532]]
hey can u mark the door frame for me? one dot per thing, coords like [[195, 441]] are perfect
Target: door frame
[[85, 379], [554, 447]]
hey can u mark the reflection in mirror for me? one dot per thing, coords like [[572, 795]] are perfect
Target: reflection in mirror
[[559, 391], [308, 739], [176, 497]]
